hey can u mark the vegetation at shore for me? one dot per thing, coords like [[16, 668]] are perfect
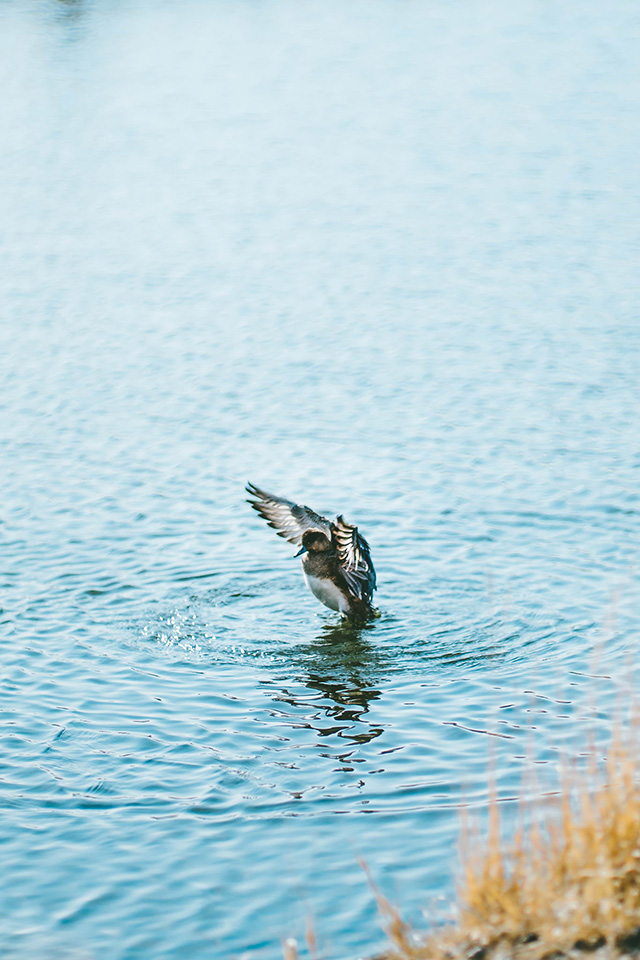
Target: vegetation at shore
[[565, 885]]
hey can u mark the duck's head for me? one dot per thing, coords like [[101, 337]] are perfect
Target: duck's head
[[314, 541]]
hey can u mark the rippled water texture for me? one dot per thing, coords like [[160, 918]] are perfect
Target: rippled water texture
[[378, 256]]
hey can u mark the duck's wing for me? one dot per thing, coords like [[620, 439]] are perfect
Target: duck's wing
[[290, 520], [354, 557]]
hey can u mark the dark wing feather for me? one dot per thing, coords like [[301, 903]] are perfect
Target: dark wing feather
[[289, 519], [354, 557]]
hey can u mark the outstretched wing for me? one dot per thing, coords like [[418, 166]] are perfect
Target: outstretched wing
[[289, 519], [354, 557]]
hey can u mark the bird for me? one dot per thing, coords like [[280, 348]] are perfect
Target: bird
[[336, 559]]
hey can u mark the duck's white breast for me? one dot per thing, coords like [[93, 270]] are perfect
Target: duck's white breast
[[327, 592]]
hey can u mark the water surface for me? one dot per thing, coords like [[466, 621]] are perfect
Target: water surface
[[382, 258]]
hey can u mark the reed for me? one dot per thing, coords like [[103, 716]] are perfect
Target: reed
[[566, 884]]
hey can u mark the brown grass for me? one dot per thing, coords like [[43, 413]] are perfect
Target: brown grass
[[567, 884]]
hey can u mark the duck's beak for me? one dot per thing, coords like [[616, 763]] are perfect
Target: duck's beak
[[300, 552]]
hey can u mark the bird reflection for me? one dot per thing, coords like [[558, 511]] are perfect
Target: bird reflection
[[344, 668], [69, 11]]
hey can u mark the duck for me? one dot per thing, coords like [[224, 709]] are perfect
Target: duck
[[336, 558]]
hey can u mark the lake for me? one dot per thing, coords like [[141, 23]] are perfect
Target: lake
[[378, 257]]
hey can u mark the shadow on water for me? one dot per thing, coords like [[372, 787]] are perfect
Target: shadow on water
[[340, 672]]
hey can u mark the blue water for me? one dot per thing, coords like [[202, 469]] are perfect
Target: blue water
[[379, 257]]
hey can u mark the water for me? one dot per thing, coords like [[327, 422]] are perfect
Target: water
[[378, 257]]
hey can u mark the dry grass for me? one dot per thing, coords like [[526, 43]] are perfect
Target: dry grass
[[567, 884]]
